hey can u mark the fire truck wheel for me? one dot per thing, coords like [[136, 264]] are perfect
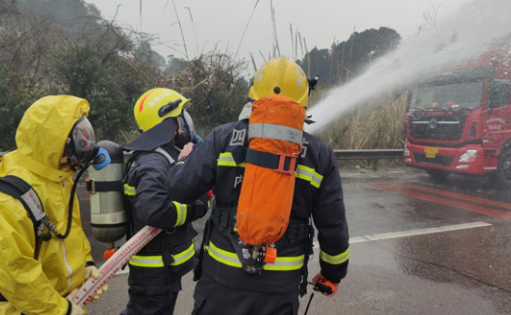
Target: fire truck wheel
[[438, 176], [503, 175]]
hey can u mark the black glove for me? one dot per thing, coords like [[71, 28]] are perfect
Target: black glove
[[199, 208]]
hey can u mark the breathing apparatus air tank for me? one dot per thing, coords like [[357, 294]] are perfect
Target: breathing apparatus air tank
[[108, 213]]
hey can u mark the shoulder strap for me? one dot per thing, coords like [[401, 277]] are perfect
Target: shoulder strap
[[19, 189], [136, 154], [165, 154]]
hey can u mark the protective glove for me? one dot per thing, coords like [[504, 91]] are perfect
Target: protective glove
[[200, 207], [93, 272], [187, 149], [73, 308], [320, 278]]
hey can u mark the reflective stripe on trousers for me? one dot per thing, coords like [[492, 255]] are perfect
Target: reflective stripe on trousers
[[231, 259], [157, 261]]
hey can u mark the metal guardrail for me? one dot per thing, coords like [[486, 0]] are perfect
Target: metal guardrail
[[368, 154], [356, 154]]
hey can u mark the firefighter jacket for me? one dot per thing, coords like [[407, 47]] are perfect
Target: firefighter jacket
[[37, 286], [148, 204], [218, 163]]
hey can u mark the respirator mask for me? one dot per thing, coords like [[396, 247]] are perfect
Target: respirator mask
[[185, 131], [82, 148]]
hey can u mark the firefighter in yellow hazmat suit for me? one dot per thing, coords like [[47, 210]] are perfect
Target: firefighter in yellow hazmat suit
[[30, 285]]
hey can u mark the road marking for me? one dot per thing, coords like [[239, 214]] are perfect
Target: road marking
[[452, 203], [484, 201], [392, 235], [441, 229]]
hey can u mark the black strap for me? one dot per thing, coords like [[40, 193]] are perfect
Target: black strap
[[224, 218], [309, 250], [130, 229], [285, 163], [197, 272], [16, 187], [97, 186]]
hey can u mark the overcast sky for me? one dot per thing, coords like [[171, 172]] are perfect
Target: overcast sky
[[221, 23]]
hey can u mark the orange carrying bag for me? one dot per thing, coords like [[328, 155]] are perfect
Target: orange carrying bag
[[275, 135]]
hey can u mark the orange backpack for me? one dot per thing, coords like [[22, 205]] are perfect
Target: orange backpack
[[275, 135]]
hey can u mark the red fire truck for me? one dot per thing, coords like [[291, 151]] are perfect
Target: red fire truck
[[459, 121]]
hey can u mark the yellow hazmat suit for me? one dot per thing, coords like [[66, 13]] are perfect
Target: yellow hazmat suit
[[38, 286]]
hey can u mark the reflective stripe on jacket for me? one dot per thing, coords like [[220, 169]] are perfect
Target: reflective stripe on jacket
[[219, 162], [149, 204]]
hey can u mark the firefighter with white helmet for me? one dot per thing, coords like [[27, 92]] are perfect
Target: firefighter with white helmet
[[156, 271]]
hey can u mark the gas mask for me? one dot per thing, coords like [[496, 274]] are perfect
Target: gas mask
[[185, 131], [82, 147]]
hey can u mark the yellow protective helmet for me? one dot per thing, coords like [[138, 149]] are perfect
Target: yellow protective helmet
[[156, 105], [280, 76]]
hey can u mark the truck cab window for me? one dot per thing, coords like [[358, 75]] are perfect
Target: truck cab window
[[465, 95], [499, 92]]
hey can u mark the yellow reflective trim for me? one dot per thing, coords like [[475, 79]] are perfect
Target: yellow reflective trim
[[286, 264], [146, 257], [226, 159], [129, 190], [316, 180], [180, 162], [309, 174], [335, 260], [184, 256], [181, 211], [147, 261], [157, 261], [231, 259], [222, 256]]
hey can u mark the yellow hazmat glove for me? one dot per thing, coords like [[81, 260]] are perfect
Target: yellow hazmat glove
[[93, 272], [74, 309]]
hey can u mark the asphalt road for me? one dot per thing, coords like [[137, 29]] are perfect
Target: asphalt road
[[417, 247]]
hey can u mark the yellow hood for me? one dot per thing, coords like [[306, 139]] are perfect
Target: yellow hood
[[42, 132]]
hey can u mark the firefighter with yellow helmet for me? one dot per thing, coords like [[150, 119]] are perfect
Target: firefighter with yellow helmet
[[156, 271], [40, 266], [231, 280]]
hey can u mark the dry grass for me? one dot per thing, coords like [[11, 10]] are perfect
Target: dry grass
[[375, 125]]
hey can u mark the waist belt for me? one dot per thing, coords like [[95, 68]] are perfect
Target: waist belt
[[287, 263], [146, 260], [225, 221]]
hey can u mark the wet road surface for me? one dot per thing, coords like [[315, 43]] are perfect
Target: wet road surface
[[418, 247]]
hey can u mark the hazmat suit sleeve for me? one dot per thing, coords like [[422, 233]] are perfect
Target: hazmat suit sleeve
[[195, 175], [88, 254], [155, 207], [22, 281], [330, 219]]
